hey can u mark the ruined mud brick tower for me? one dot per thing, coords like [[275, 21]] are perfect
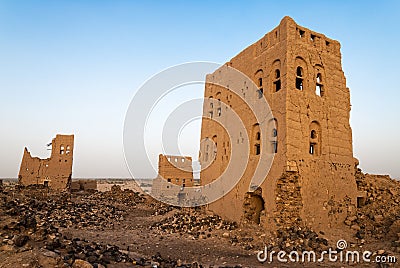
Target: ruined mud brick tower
[[56, 171], [172, 170], [311, 181]]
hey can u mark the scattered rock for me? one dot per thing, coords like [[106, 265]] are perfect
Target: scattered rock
[[81, 264]]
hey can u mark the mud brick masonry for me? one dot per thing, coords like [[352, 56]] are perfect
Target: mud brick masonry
[[299, 72], [56, 171], [172, 170]]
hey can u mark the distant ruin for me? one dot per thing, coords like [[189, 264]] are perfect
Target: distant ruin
[[173, 171], [83, 185], [54, 172], [311, 180]]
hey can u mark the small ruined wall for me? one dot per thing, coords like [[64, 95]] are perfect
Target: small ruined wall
[[84, 185], [176, 170], [56, 171]]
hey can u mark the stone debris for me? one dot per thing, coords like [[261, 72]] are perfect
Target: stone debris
[[378, 217], [198, 225]]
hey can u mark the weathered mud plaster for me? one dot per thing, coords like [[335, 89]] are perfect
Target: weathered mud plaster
[[56, 171], [299, 72]]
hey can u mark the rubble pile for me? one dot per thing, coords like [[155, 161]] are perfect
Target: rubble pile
[[28, 232], [379, 214], [28, 224], [63, 211], [194, 223], [126, 196]]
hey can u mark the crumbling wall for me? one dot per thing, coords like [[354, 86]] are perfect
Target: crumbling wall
[[84, 185], [299, 73], [56, 171], [172, 170]]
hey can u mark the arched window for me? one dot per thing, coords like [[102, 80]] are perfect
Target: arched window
[[315, 139], [319, 88], [259, 80], [62, 149], [277, 74], [214, 139], [299, 78], [273, 135], [256, 139], [277, 80], [68, 150], [313, 134], [211, 102]]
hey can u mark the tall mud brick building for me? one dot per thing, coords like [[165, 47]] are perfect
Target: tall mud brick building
[[56, 171], [311, 181]]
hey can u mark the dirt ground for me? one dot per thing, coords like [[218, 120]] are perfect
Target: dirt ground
[[125, 228]]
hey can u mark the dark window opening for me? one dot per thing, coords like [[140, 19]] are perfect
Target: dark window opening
[[46, 184], [277, 73], [274, 147], [360, 201], [183, 185], [312, 148], [274, 132], [301, 33], [257, 149], [211, 105], [258, 136], [260, 82], [211, 114], [169, 180], [327, 43], [313, 134], [312, 37], [260, 93], [277, 85], [219, 111], [299, 83], [299, 71]]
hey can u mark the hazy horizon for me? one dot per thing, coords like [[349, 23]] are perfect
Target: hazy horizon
[[72, 67]]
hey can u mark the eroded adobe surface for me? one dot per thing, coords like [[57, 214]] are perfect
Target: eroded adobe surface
[[56, 171], [299, 73], [172, 171]]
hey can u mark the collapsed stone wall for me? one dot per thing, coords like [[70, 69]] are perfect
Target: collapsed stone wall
[[289, 202], [56, 171]]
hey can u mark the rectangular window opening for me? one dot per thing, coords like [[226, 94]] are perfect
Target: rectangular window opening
[[299, 83], [277, 85], [260, 93], [312, 148], [258, 149], [274, 147]]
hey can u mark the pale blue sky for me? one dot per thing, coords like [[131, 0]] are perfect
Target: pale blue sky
[[73, 66]]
